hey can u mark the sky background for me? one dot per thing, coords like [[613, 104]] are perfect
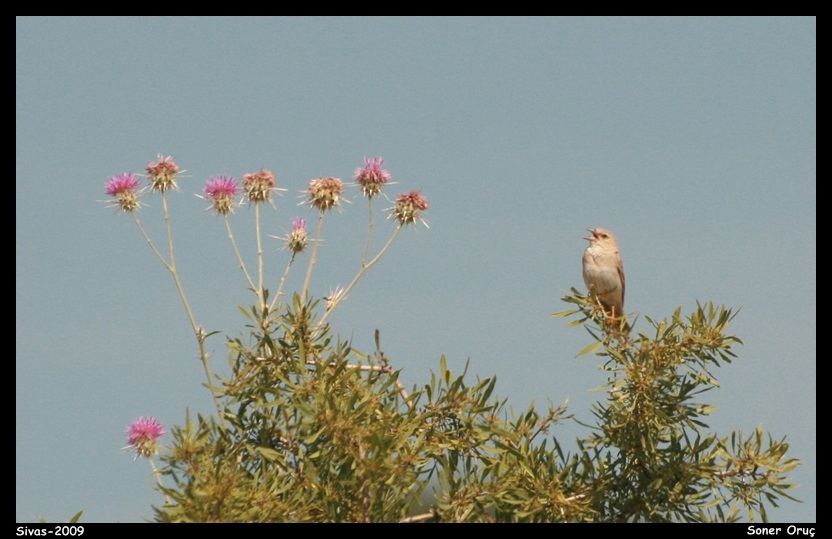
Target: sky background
[[692, 139]]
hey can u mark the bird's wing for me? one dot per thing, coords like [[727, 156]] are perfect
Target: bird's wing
[[620, 268]]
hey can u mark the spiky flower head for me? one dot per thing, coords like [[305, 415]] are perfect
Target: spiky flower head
[[259, 185], [221, 191], [371, 177], [142, 436], [296, 242], [123, 188], [162, 174], [335, 297], [325, 193], [408, 208]]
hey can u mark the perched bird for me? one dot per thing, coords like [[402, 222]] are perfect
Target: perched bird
[[604, 275]]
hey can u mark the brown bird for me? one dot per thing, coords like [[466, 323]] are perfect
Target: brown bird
[[604, 275]]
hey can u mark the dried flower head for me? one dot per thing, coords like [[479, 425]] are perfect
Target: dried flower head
[[296, 242], [143, 434], [123, 188], [162, 174], [221, 191], [259, 185], [408, 208], [372, 177], [335, 297], [325, 193]]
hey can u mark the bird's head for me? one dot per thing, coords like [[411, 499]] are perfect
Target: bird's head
[[600, 235]]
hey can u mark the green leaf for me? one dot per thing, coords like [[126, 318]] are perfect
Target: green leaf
[[269, 454], [590, 348]]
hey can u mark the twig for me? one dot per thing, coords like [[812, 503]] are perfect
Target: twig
[[419, 518]]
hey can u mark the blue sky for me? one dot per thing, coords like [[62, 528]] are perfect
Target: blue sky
[[693, 139]]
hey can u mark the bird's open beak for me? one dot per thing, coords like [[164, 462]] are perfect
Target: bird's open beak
[[593, 237]]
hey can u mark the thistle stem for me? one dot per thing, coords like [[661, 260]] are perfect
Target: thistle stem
[[260, 297], [237, 252], [199, 333], [282, 281], [313, 258], [369, 233], [158, 479], [364, 267]]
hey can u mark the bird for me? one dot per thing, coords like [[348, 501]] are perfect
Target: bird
[[603, 273]]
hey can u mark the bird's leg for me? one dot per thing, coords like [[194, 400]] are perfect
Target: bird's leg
[[620, 324], [611, 318]]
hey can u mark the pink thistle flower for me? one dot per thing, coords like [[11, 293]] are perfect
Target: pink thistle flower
[[119, 184], [123, 188], [325, 193], [296, 242], [372, 177], [408, 208], [259, 185], [142, 435], [162, 174], [221, 191]]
